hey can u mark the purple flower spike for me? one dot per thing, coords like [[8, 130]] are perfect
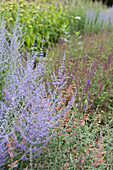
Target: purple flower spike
[[88, 82]]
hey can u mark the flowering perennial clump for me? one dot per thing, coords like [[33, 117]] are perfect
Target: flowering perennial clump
[[28, 111]]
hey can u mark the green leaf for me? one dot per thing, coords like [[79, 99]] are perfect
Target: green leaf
[[47, 36], [32, 38], [27, 40]]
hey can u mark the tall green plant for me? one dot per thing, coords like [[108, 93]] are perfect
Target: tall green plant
[[41, 21]]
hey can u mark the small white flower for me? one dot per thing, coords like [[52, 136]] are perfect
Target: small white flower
[[78, 18]]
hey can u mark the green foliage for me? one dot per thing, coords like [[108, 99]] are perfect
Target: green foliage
[[42, 21], [76, 24]]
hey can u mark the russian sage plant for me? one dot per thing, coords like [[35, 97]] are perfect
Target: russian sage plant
[[99, 19], [3, 55], [9, 49], [28, 111]]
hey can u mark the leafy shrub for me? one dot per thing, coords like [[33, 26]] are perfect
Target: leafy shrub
[[75, 24], [41, 21]]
